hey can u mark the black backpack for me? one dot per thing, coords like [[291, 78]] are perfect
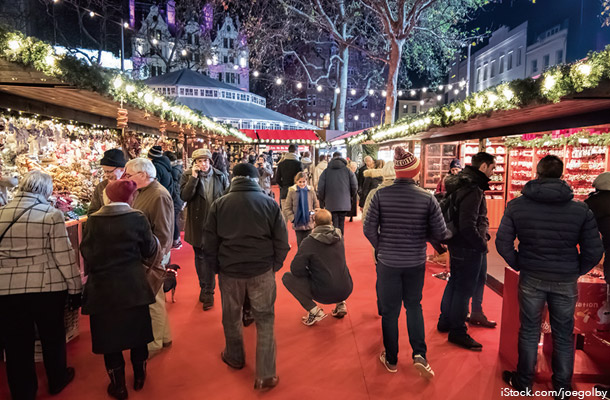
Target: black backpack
[[450, 209]]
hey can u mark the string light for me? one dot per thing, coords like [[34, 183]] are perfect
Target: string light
[[412, 92], [400, 93], [155, 41], [356, 117], [337, 90], [91, 14], [371, 92], [384, 93], [278, 81], [353, 92], [319, 88], [183, 52], [126, 25], [299, 85], [439, 97]]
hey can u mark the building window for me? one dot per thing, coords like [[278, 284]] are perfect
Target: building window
[[534, 66], [311, 100], [413, 109], [509, 61], [501, 67], [196, 92], [484, 72], [478, 74], [231, 43], [225, 43], [174, 91], [181, 91], [546, 61], [559, 57], [519, 56], [225, 59], [350, 101], [365, 104], [492, 73]]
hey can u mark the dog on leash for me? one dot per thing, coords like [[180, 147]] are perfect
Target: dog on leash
[[170, 280]]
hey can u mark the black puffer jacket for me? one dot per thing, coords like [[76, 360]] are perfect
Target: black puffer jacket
[[245, 234], [177, 171], [400, 220], [599, 202], [164, 173], [337, 186], [321, 259], [472, 223], [286, 171], [550, 226]]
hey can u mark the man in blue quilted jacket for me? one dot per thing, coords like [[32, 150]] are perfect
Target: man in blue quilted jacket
[[551, 227], [400, 220]]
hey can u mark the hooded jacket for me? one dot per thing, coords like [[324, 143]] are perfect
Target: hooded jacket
[[469, 188], [245, 234], [307, 166], [550, 227], [287, 169], [372, 179], [321, 259], [164, 173], [599, 202], [292, 203], [322, 165], [400, 220], [337, 186]]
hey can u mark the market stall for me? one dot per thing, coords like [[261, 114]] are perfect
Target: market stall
[[277, 141]]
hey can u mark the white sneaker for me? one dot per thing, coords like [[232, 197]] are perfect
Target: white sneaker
[[421, 364], [313, 318]]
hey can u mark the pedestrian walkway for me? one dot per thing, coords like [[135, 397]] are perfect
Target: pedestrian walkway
[[335, 359]]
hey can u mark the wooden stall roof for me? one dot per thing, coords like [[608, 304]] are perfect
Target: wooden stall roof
[[588, 108], [31, 91]]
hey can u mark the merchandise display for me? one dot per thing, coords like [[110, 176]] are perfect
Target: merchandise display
[[438, 160]]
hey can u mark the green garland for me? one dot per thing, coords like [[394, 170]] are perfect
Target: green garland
[[548, 141], [31, 52], [555, 83]]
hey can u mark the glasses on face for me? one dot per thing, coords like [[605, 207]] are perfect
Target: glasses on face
[[107, 172], [127, 176]]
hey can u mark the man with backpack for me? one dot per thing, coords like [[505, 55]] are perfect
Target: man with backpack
[[465, 212]]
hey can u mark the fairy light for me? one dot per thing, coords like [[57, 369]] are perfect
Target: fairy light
[[299, 85], [584, 69], [319, 88], [337, 90], [278, 81], [353, 92]]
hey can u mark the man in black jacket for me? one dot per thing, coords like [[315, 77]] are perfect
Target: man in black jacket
[[163, 167], [467, 249], [246, 242], [177, 171], [286, 171], [199, 187], [558, 242], [369, 163], [318, 271], [336, 188]]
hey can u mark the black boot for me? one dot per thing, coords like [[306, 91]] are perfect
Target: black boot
[[139, 375], [117, 388]]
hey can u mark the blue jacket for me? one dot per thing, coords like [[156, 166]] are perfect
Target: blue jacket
[[400, 220], [550, 226]]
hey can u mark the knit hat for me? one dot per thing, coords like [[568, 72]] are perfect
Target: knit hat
[[113, 158], [455, 163], [202, 153], [602, 182], [406, 164], [121, 191], [245, 169], [155, 152], [388, 171]]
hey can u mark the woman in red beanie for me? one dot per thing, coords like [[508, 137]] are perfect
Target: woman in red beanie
[[117, 293]]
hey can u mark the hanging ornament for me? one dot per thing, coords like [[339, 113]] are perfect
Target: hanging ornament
[[162, 126], [174, 123], [146, 115], [121, 120]]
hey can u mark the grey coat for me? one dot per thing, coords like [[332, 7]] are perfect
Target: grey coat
[[337, 186]]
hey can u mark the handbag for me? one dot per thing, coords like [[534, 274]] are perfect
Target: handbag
[[154, 269]]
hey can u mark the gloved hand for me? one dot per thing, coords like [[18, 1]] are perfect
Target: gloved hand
[[75, 301]]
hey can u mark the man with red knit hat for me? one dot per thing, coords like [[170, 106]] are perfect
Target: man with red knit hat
[[400, 220]]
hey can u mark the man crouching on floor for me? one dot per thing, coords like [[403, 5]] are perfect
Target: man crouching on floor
[[319, 272]]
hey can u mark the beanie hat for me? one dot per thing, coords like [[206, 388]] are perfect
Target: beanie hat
[[121, 191], [455, 163], [113, 158], [155, 152], [602, 182], [406, 164], [245, 169], [388, 171], [202, 153]]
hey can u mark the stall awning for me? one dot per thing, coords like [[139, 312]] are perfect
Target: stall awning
[[270, 135], [347, 135]]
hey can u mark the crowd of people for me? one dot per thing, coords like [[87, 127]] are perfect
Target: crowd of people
[[238, 231]]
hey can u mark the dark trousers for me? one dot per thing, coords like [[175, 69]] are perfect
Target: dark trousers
[[339, 220], [301, 235], [18, 315], [300, 288], [207, 276], [397, 286], [261, 291], [115, 360], [465, 266], [176, 220], [561, 299], [477, 297]]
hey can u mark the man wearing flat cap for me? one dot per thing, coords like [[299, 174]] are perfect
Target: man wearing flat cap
[[113, 168], [199, 187]]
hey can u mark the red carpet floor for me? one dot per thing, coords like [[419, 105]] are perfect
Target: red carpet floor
[[335, 359]]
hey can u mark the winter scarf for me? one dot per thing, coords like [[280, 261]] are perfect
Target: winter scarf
[[302, 215]]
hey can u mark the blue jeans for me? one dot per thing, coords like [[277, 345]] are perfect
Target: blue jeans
[[206, 275], [396, 286], [261, 292], [465, 266], [561, 298], [477, 297]]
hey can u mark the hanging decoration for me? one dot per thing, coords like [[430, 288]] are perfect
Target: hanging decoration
[[162, 126], [121, 120]]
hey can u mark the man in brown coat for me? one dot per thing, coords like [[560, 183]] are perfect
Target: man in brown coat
[[113, 168], [157, 205]]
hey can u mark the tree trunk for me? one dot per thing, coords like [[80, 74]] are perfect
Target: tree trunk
[[342, 85], [394, 67]]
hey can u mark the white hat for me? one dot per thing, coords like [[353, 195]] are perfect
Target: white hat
[[602, 182]]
